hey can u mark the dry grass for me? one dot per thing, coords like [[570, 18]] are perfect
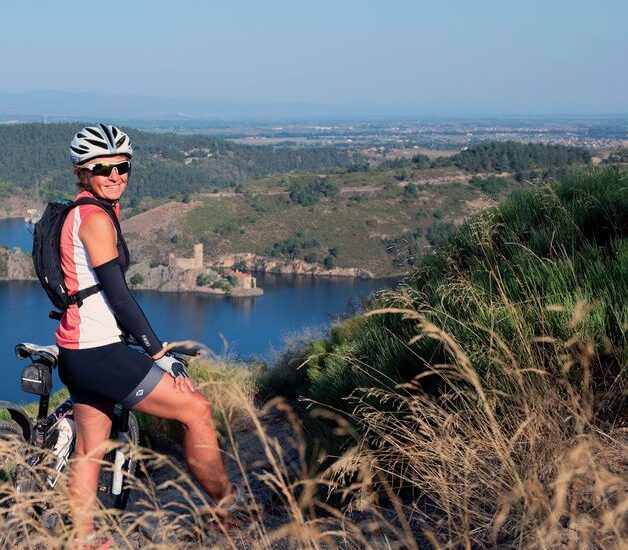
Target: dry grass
[[478, 468], [514, 460], [263, 448]]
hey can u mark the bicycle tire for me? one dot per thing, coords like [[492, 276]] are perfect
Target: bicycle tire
[[105, 481], [9, 432]]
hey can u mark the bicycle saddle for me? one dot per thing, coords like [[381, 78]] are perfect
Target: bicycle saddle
[[26, 349]]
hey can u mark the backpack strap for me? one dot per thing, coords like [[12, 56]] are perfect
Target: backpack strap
[[78, 297]]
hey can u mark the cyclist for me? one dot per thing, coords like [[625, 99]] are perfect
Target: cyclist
[[95, 364]]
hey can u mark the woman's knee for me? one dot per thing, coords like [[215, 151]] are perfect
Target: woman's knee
[[198, 409]]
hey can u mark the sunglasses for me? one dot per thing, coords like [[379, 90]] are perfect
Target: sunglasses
[[105, 168]]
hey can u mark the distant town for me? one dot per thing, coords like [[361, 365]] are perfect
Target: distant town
[[383, 134], [446, 133]]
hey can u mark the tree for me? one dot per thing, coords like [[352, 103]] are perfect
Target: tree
[[410, 191], [309, 191], [137, 279]]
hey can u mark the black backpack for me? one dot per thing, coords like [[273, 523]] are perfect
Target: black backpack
[[47, 253]]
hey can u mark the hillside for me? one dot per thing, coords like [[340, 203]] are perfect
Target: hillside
[[380, 220], [488, 390], [35, 158], [320, 210]]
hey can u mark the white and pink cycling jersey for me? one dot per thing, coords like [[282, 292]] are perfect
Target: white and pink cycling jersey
[[93, 324]]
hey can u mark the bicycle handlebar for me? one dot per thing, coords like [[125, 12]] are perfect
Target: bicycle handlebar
[[192, 352]]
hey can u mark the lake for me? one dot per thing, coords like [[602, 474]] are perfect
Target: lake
[[244, 327], [15, 232]]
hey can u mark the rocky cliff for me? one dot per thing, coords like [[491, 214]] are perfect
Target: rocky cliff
[[252, 262], [170, 278], [16, 265]]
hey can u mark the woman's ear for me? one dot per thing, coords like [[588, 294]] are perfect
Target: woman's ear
[[83, 178]]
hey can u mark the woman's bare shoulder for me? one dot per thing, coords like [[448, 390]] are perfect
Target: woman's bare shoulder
[[98, 226]]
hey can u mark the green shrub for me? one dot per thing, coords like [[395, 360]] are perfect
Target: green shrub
[[221, 284], [329, 262], [203, 279], [410, 191], [292, 247], [137, 279], [309, 191], [492, 185]]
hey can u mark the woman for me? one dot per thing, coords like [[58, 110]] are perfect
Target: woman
[[96, 366]]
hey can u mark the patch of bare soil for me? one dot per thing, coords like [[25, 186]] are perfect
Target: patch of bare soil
[[168, 215], [17, 207], [267, 451]]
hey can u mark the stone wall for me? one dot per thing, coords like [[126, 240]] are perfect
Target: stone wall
[[196, 262]]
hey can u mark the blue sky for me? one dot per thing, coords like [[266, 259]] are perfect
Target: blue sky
[[447, 57]]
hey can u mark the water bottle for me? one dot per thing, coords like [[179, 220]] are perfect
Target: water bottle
[[67, 429], [62, 447]]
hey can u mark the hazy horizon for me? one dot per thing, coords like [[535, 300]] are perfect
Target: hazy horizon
[[57, 105]]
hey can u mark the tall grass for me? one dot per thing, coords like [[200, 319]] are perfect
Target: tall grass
[[169, 510], [513, 273], [489, 389]]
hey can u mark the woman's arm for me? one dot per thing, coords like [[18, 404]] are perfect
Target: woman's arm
[[98, 234]]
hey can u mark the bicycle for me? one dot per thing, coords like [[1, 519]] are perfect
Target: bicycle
[[52, 438]]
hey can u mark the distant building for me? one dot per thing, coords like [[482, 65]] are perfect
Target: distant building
[[196, 262], [244, 280]]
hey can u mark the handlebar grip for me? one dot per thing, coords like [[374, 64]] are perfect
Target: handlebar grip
[[192, 352], [181, 350]]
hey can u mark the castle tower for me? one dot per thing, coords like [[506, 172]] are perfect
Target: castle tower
[[198, 256]]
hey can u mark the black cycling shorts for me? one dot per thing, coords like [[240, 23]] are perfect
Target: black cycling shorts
[[114, 372]]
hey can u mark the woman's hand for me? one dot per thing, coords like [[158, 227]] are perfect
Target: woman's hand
[[177, 370]]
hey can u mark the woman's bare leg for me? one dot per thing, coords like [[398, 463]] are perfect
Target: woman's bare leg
[[93, 427], [200, 444]]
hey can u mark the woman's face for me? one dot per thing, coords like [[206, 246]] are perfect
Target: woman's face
[[108, 187]]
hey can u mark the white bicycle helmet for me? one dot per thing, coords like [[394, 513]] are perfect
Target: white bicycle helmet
[[99, 141]]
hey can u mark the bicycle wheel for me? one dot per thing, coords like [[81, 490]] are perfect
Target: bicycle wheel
[[105, 482], [11, 448], [10, 436]]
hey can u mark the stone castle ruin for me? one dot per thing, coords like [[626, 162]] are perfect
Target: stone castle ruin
[[195, 262], [244, 283]]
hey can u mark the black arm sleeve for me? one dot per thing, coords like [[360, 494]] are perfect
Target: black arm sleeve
[[125, 308]]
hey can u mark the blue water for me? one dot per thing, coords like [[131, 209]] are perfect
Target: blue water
[[15, 232], [242, 327]]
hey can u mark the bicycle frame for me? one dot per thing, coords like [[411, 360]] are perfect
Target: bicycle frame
[[43, 432]]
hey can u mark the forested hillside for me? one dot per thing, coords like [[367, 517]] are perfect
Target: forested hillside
[[381, 218], [35, 156], [510, 156], [520, 159]]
